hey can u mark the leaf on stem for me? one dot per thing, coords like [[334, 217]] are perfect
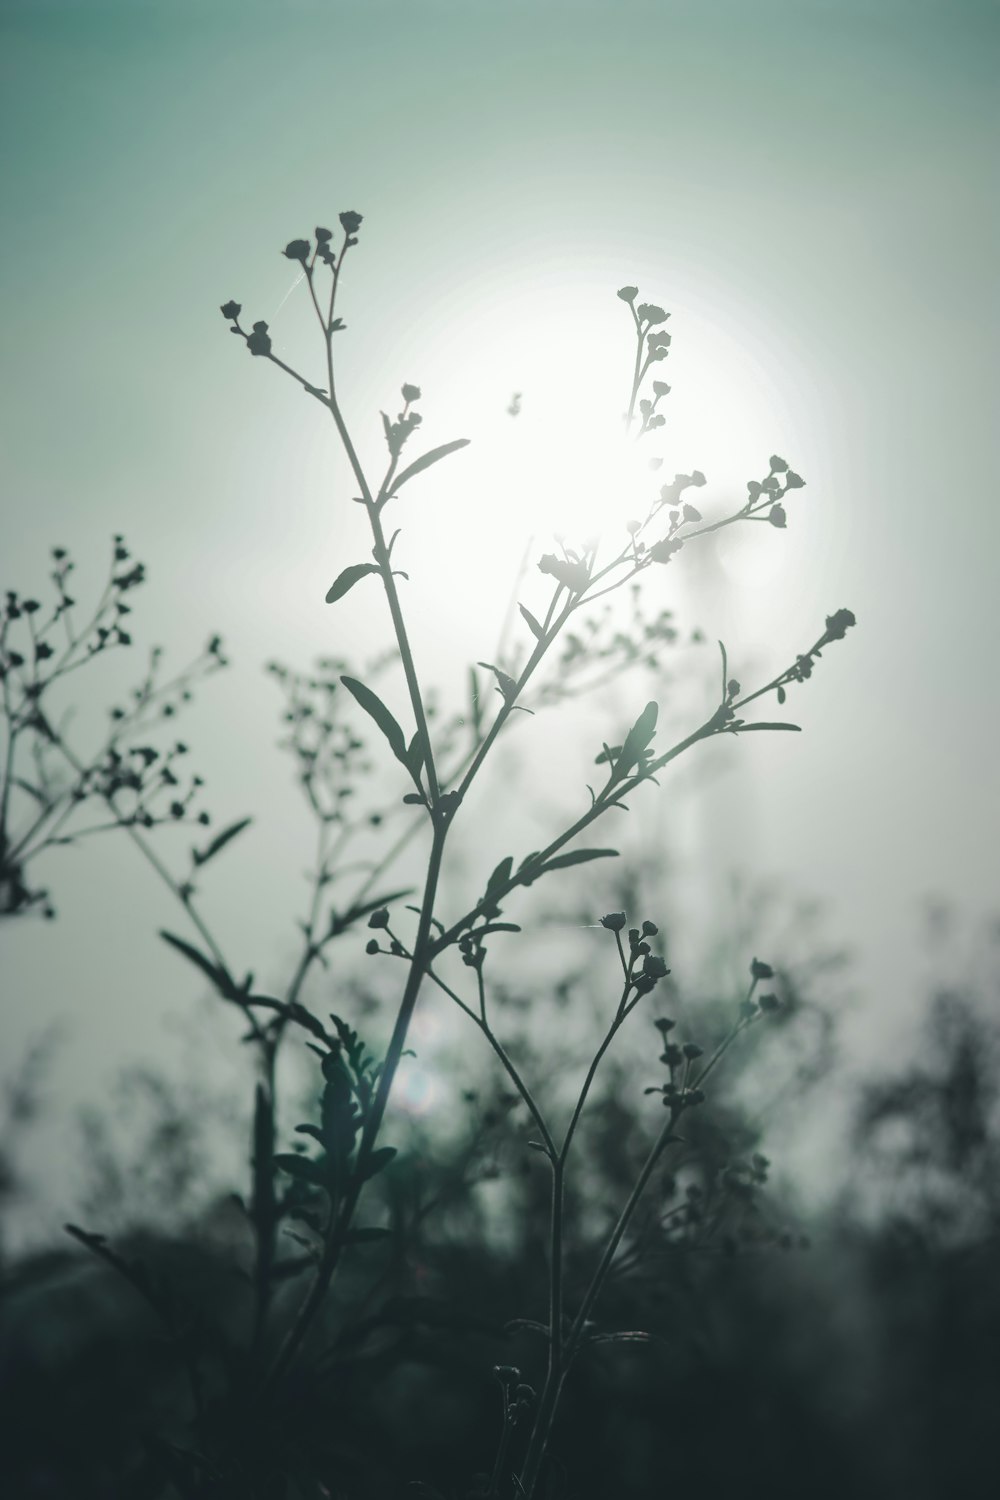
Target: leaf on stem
[[348, 578], [506, 683], [636, 741], [531, 622], [746, 728], [500, 877], [373, 705], [529, 873], [302, 1168], [201, 857], [207, 967], [415, 755], [426, 460], [340, 924]]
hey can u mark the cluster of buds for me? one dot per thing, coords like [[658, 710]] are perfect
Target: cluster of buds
[[648, 318], [757, 1005], [764, 496], [643, 968], [258, 340], [677, 1093]]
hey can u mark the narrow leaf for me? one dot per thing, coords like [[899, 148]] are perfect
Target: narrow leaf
[[303, 1168], [500, 876], [415, 755], [364, 909], [348, 578], [207, 967], [220, 841], [531, 622], [563, 862], [424, 462], [579, 857], [746, 728], [506, 683], [637, 740], [373, 705]]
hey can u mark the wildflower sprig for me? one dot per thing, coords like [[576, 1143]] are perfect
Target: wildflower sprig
[[52, 795], [336, 724]]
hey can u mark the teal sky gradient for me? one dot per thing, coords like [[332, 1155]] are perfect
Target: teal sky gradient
[[813, 183]]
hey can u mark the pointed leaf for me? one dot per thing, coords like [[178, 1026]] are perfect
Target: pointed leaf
[[364, 909], [745, 728], [531, 622], [424, 462], [348, 578], [220, 841], [415, 755], [373, 705], [302, 1168], [506, 683], [637, 740], [578, 857], [207, 967], [500, 876], [563, 862]]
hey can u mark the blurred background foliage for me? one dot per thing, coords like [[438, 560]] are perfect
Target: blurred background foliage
[[843, 1342]]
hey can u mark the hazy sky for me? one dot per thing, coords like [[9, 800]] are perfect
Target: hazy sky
[[810, 188]]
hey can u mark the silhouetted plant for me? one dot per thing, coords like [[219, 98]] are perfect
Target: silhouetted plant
[[327, 1192]]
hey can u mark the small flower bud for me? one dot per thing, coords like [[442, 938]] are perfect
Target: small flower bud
[[297, 250], [839, 623], [350, 222], [649, 929], [371, 946], [259, 341], [759, 970], [379, 918], [411, 393], [692, 1050], [628, 293], [614, 921], [768, 1003], [231, 310]]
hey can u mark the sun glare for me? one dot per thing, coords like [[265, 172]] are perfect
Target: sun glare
[[544, 398]]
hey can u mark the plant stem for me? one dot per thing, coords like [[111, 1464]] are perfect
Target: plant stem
[[538, 1445]]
